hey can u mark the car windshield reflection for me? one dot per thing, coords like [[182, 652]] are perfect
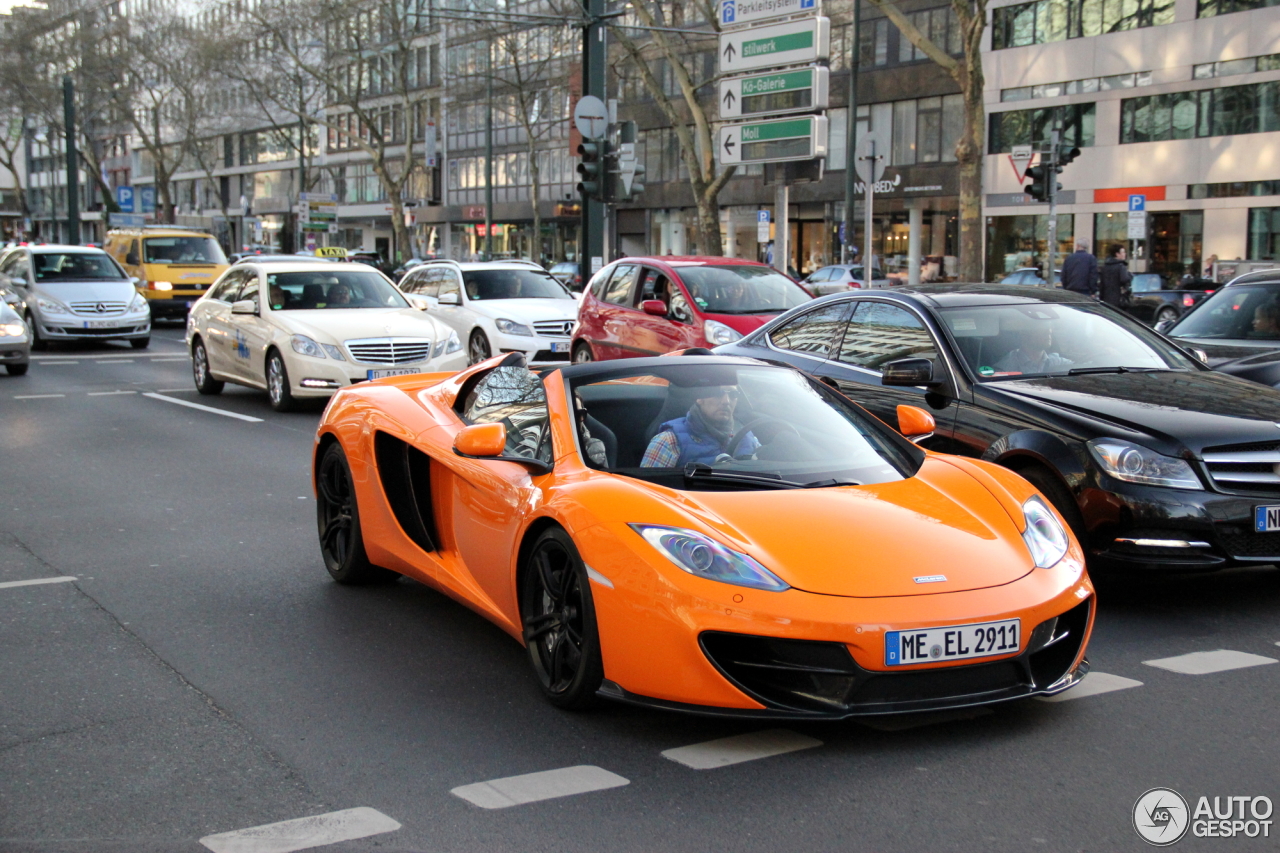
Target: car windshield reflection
[[1240, 312], [1017, 341], [718, 426], [304, 291]]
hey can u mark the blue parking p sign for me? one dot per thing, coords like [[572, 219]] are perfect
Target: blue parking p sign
[[1137, 203], [728, 11], [124, 199]]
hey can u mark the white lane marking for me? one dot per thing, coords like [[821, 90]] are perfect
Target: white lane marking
[[1094, 684], [1203, 663], [303, 833], [60, 363], [599, 578], [902, 722], [115, 361], [38, 581], [180, 358], [37, 396], [191, 405], [740, 748], [109, 393], [532, 787], [175, 390]]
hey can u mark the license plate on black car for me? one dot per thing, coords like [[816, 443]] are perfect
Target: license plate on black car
[[954, 642], [1266, 518]]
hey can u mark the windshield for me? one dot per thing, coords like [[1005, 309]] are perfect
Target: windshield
[[720, 426], [342, 288], [76, 266], [741, 289], [182, 250], [1013, 341], [1242, 311], [485, 285]]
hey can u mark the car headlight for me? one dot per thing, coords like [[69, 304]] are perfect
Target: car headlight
[[1045, 537], [510, 327], [334, 352], [719, 333], [162, 285], [706, 558], [305, 346], [12, 330], [48, 306], [138, 303], [1136, 464], [454, 344]]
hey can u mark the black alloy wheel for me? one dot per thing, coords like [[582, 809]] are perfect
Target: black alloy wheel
[[560, 623], [338, 523], [205, 383], [478, 348]]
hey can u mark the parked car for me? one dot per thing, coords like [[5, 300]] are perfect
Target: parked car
[[1237, 329], [1031, 276], [74, 293], [501, 306], [173, 266], [568, 274], [1135, 442], [651, 306], [308, 328], [15, 341], [805, 581], [1157, 300], [841, 277]]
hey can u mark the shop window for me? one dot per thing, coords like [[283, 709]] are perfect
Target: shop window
[[1027, 127], [1014, 242]]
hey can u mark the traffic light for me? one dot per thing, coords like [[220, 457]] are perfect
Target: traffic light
[[594, 154], [1065, 157], [1038, 189], [637, 181]]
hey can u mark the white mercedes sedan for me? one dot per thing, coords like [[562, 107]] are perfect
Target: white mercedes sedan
[[307, 328]]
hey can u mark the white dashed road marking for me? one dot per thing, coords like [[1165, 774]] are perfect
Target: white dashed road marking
[[37, 396], [191, 405], [532, 787], [38, 581], [740, 748], [1203, 663], [116, 361], [161, 360], [1094, 684], [175, 390], [109, 393], [302, 833]]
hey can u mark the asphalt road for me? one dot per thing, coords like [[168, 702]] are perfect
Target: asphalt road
[[201, 675]]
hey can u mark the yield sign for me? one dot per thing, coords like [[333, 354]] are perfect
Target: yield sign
[[1021, 159]]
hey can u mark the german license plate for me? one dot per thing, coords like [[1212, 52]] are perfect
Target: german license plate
[[560, 346], [393, 371], [1266, 518], [955, 642], [101, 324]]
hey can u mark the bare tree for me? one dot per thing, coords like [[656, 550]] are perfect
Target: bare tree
[[966, 70], [687, 113]]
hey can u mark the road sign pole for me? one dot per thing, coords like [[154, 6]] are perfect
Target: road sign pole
[[781, 228], [1052, 188], [591, 231], [868, 251], [851, 133], [73, 164]]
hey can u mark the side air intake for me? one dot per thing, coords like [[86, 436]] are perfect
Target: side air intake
[[405, 473]]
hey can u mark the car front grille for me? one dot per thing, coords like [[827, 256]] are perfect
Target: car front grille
[[1245, 467], [390, 350], [1249, 544], [99, 309], [118, 330], [553, 328]]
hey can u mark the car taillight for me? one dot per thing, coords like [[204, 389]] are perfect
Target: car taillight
[[854, 284], [1188, 300]]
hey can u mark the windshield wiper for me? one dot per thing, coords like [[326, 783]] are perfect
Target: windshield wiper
[[702, 471], [1082, 371]]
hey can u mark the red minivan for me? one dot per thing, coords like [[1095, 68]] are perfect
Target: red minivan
[[650, 306]]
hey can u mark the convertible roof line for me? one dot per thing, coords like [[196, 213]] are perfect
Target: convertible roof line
[[513, 359]]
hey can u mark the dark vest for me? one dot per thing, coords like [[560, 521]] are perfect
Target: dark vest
[[693, 448]]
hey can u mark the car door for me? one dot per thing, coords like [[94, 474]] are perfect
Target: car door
[[651, 334], [1146, 297], [877, 333], [616, 315], [211, 319], [458, 317], [250, 334]]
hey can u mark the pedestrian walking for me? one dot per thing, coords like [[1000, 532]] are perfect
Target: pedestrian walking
[[1114, 287], [1080, 271]]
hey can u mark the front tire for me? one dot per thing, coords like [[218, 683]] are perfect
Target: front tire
[[140, 343], [559, 620], [1165, 315], [582, 354], [205, 383], [1048, 484], [17, 369], [338, 523], [37, 342], [278, 390], [478, 348]]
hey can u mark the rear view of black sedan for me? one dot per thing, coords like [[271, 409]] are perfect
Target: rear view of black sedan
[[1156, 461]]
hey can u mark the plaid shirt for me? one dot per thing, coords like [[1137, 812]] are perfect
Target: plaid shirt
[[664, 449]]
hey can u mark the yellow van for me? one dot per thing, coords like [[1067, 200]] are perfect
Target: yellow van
[[174, 266]]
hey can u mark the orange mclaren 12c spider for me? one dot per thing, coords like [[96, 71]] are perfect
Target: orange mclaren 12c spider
[[705, 533]]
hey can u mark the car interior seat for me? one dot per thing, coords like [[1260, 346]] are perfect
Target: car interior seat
[[312, 295], [607, 437]]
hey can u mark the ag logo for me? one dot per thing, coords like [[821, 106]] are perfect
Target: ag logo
[[1160, 817]]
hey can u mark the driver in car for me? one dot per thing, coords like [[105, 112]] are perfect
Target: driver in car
[[702, 435], [339, 294], [1034, 356]]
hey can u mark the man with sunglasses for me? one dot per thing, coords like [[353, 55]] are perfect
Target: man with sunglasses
[[702, 435]]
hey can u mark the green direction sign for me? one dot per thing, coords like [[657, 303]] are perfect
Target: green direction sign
[[805, 40], [800, 91], [773, 141]]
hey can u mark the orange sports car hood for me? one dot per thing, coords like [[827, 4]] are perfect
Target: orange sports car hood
[[890, 539]]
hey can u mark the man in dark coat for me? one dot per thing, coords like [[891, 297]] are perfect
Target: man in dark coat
[[1080, 271], [1115, 278]]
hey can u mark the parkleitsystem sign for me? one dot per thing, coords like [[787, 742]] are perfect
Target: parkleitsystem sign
[[733, 12], [800, 91], [802, 138], [805, 40]]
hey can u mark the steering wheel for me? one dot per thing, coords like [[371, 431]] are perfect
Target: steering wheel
[[763, 420]]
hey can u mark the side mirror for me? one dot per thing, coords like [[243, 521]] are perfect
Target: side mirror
[[1163, 325], [134, 280], [450, 298], [487, 441], [915, 423], [908, 371], [131, 259], [418, 302], [18, 281], [244, 306], [654, 307]]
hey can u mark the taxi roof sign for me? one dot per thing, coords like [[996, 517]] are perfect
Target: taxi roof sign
[[330, 252]]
